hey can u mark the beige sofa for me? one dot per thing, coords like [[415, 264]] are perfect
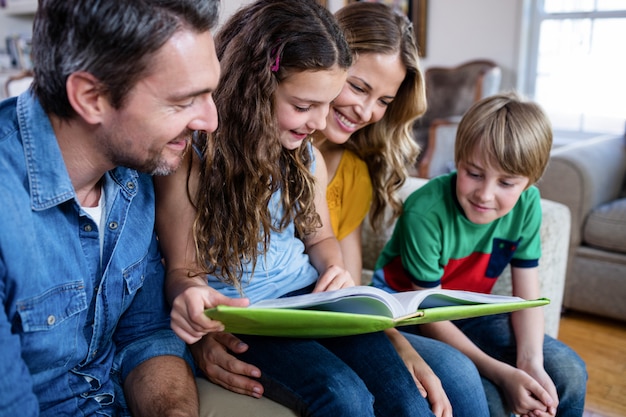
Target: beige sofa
[[589, 177], [554, 240]]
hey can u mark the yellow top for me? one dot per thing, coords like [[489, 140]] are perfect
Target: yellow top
[[349, 195]]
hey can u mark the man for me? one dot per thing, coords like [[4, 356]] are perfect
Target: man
[[118, 88]]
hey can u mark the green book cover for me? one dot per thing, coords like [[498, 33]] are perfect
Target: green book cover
[[360, 309]]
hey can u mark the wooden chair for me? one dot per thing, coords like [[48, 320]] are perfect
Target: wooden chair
[[18, 83], [450, 92]]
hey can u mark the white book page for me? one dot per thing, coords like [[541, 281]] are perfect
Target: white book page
[[359, 300], [415, 300], [370, 300]]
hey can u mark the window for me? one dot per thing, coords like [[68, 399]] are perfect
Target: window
[[577, 64]]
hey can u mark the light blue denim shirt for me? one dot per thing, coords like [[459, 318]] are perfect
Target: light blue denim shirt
[[71, 329]]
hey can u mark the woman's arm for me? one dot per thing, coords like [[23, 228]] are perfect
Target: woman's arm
[[351, 249], [322, 245], [427, 382]]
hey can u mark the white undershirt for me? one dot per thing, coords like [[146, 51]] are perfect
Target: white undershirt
[[96, 214]]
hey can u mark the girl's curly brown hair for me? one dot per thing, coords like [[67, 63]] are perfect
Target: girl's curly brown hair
[[244, 163]]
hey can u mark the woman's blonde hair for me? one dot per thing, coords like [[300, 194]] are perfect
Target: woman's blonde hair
[[506, 131], [244, 163], [387, 146]]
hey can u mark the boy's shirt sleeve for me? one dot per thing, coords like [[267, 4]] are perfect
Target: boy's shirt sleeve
[[529, 250]]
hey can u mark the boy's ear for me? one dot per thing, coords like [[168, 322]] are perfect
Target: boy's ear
[[85, 94]]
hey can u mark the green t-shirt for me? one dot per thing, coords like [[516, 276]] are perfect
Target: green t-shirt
[[434, 243]]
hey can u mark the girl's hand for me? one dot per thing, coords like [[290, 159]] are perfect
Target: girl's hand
[[187, 317], [334, 278]]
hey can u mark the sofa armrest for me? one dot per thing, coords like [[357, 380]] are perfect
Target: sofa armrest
[[584, 175], [372, 243], [555, 236]]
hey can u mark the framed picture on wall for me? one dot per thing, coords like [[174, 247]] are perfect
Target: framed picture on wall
[[416, 11]]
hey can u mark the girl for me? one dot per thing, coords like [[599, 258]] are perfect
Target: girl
[[260, 226]]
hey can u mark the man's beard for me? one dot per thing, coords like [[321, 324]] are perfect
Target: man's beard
[[163, 169], [156, 163]]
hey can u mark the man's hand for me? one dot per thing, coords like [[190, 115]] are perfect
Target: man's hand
[[212, 356]]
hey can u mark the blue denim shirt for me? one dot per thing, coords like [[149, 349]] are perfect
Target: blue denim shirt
[[72, 327]]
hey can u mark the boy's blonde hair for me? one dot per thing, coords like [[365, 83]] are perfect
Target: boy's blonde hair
[[506, 131]]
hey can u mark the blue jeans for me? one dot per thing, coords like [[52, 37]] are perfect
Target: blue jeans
[[344, 376], [494, 335], [459, 377]]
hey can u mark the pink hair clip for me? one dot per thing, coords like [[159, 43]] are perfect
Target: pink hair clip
[[276, 65], [276, 54]]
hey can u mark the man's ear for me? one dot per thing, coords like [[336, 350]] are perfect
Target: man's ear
[[86, 96]]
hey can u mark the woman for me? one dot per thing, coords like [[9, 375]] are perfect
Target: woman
[[367, 147]]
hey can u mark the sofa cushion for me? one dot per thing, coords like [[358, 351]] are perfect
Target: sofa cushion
[[373, 242], [605, 227]]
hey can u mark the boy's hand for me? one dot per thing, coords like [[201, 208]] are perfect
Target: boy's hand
[[526, 396], [220, 367], [551, 400], [334, 278], [187, 316]]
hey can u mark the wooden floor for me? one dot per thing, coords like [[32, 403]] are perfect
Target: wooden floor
[[602, 345]]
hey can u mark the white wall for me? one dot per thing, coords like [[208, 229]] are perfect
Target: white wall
[[229, 7], [458, 30], [10, 25], [14, 25]]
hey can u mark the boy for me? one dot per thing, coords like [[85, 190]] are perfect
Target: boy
[[461, 230]]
